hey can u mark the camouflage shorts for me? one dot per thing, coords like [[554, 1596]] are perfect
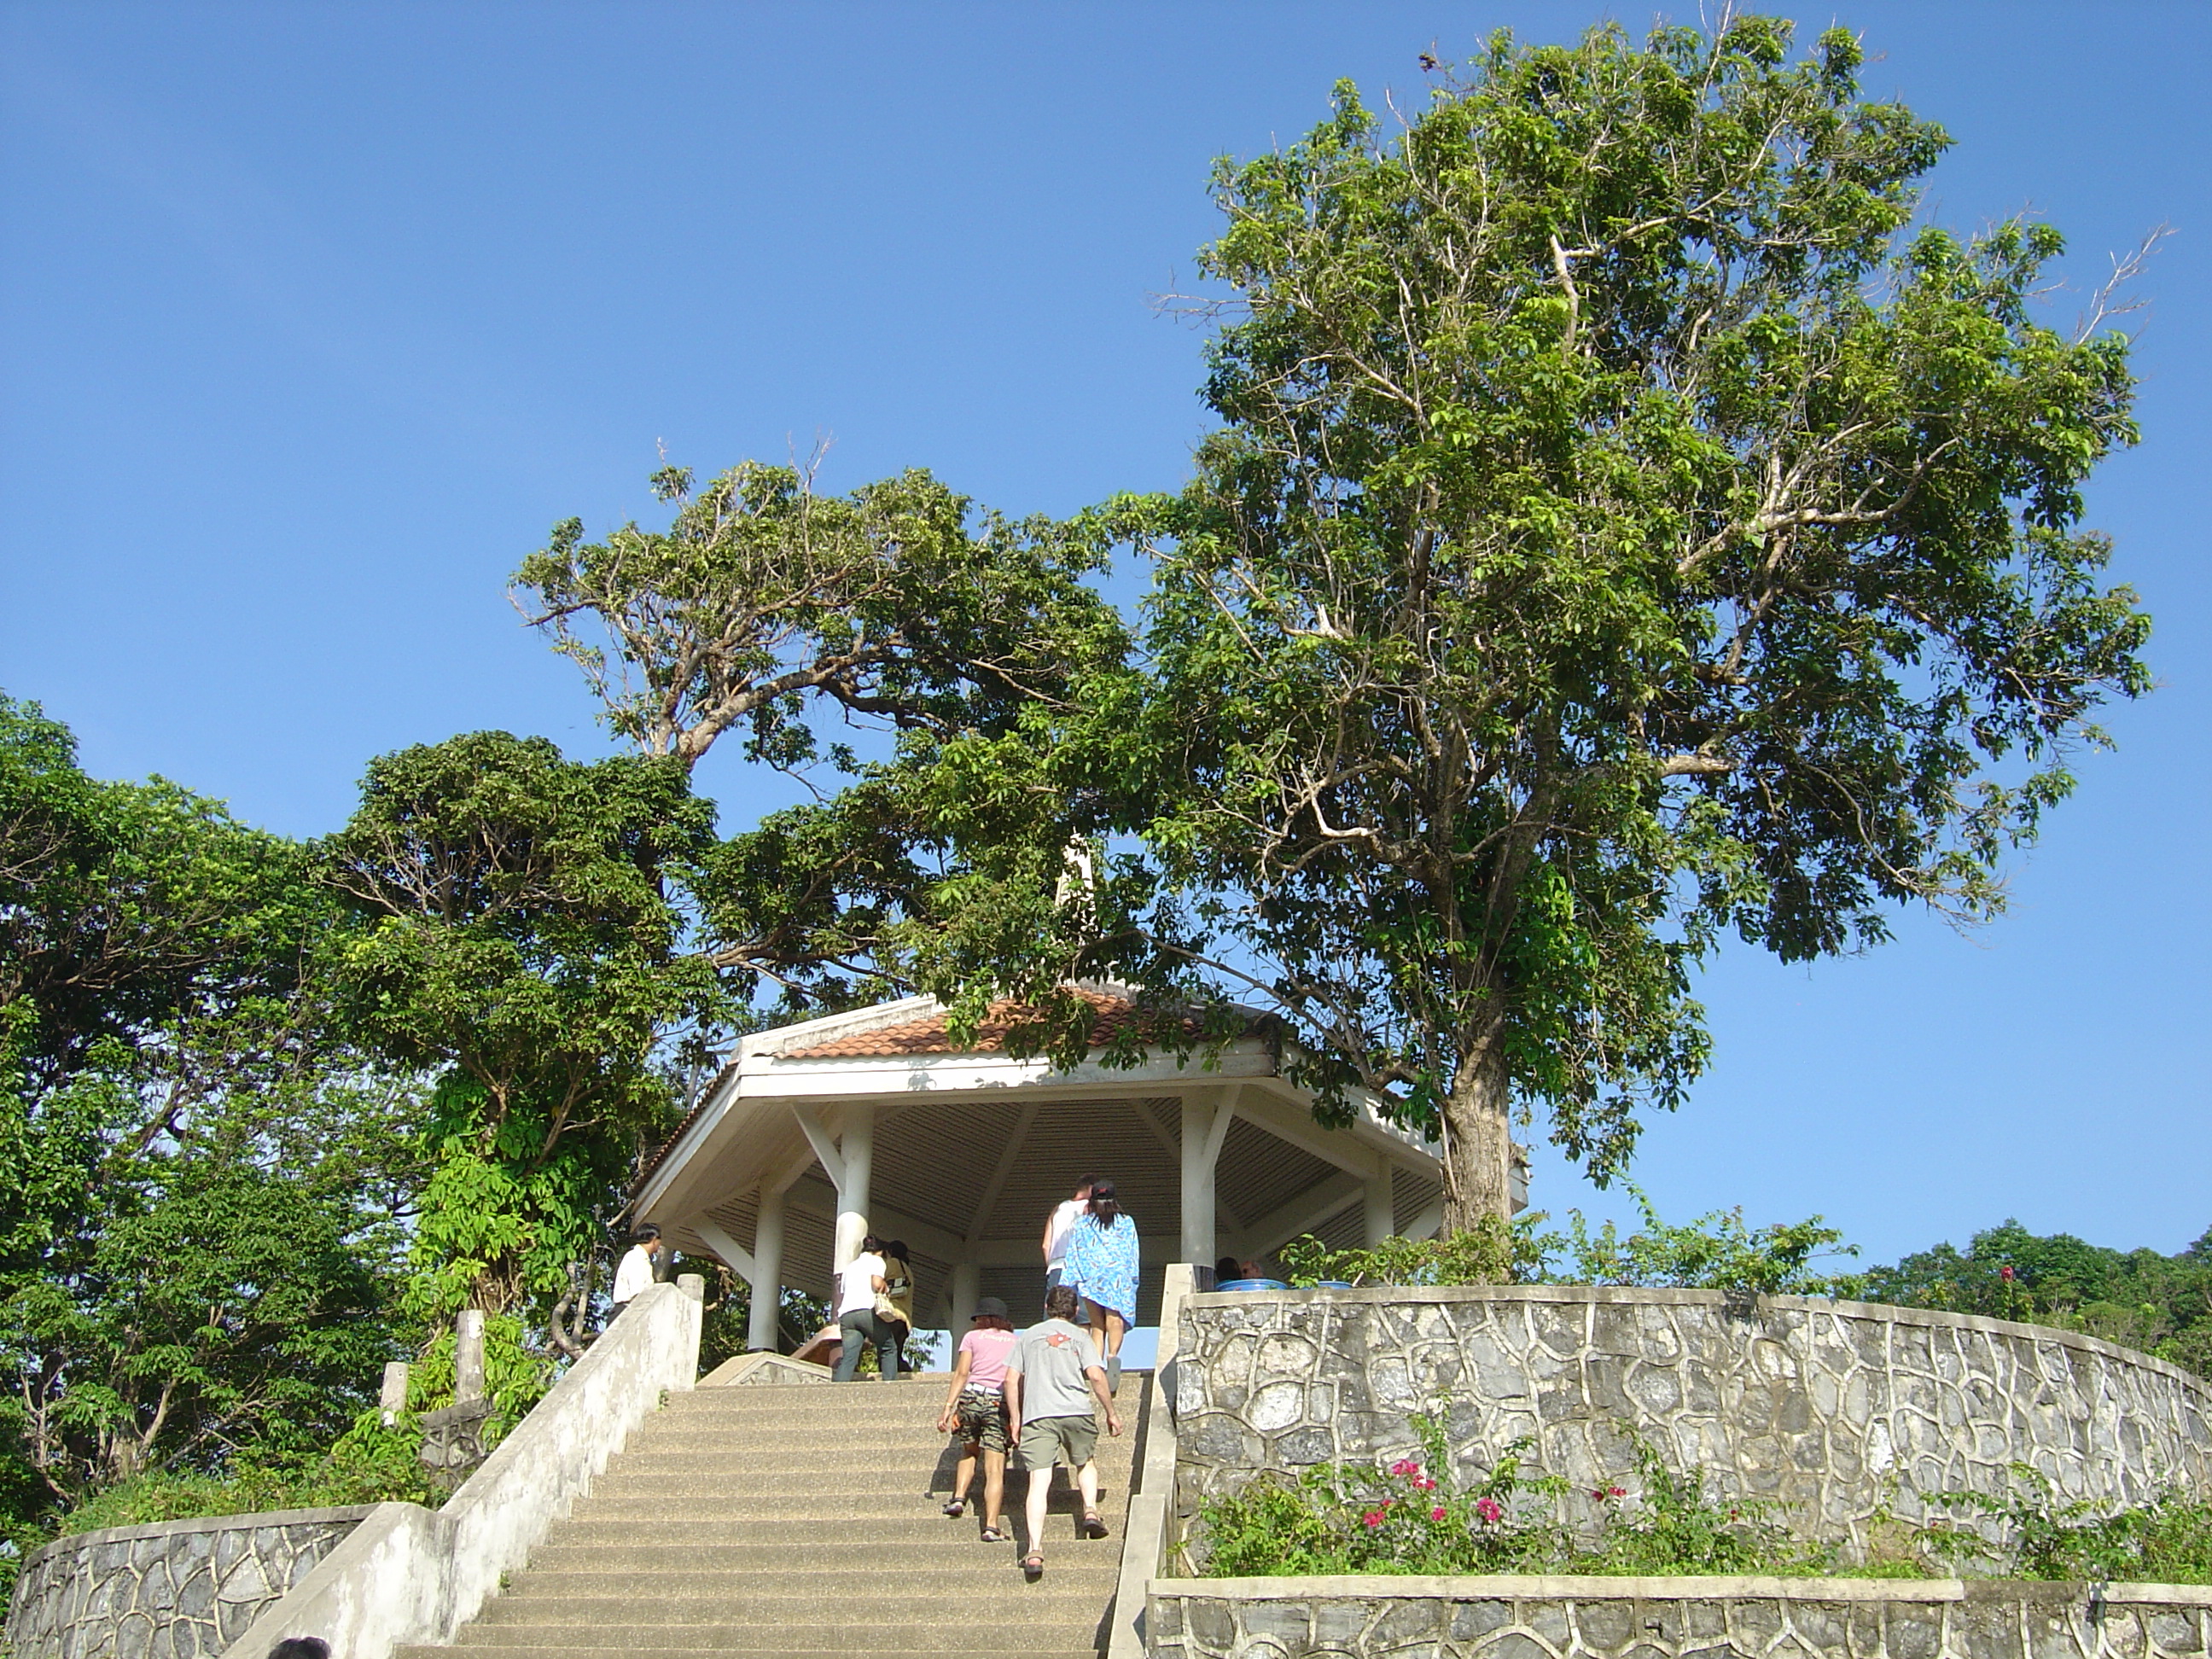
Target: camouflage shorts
[[981, 1420]]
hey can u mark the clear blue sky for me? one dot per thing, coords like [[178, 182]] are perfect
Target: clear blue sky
[[313, 318]]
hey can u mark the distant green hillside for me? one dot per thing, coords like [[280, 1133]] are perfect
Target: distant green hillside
[[2162, 1305]]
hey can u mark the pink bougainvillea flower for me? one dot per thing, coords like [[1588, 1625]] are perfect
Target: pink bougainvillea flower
[[1617, 1492], [1422, 1483], [1438, 1513], [1598, 1492], [1373, 1517], [2005, 1274], [1489, 1508]]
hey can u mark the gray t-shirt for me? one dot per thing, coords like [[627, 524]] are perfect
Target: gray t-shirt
[[1051, 1358]]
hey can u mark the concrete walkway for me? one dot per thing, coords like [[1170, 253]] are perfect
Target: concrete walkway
[[774, 1518]]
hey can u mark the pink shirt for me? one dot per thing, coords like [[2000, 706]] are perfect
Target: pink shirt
[[988, 1351]]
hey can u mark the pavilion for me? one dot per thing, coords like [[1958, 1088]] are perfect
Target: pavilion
[[874, 1122]]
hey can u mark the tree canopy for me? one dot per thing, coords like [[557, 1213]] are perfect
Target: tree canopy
[[1625, 527], [520, 941]]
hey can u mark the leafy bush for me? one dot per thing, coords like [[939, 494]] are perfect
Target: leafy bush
[[2167, 1542], [1670, 1526], [2162, 1305], [1413, 1517], [1716, 1251], [1493, 1252], [371, 1464], [1341, 1517]]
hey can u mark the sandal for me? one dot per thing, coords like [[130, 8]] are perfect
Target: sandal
[[994, 1536], [1033, 1567], [1090, 1525], [956, 1508]]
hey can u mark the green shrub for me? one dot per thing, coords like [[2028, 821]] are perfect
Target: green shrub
[[1411, 1516], [1716, 1251], [2165, 1541]]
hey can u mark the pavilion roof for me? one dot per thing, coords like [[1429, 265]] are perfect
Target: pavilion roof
[[1111, 1016]]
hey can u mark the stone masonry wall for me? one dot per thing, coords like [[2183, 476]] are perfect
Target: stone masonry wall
[[174, 1590], [1537, 1618], [1835, 1408]]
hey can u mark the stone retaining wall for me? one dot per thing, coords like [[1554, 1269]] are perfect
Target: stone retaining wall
[[1538, 1617], [177, 1589], [1836, 1408]]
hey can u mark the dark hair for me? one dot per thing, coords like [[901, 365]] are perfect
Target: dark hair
[[991, 1322], [300, 1647], [1102, 1202], [1085, 1185], [1227, 1267], [872, 1245], [1059, 1301], [644, 1233], [895, 1246]]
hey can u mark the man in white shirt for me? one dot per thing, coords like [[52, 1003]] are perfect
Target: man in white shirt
[[637, 1268], [859, 1282], [1058, 1226]]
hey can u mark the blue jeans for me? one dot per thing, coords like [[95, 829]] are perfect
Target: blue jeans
[[858, 1328]]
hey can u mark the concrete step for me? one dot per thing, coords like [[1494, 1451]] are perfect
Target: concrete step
[[922, 1531], [1067, 1602], [596, 1648], [713, 1471], [885, 1402], [985, 1570], [870, 1515], [1011, 1631], [955, 1548]]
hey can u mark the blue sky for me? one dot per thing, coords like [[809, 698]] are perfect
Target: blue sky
[[313, 318]]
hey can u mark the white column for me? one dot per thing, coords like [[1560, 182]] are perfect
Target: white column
[[1198, 1146], [1379, 1207], [856, 1146], [967, 1282], [767, 1271]]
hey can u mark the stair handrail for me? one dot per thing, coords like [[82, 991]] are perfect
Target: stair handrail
[[407, 1573], [1145, 1540]]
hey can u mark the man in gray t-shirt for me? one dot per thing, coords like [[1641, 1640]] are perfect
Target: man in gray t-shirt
[[1052, 1377]]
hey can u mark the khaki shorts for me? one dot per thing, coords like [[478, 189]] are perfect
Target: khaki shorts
[[1049, 1440]]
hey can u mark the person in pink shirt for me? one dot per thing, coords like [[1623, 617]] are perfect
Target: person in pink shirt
[[975, 1411]]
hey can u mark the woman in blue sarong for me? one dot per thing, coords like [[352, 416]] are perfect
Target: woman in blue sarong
[[1101, 1265]]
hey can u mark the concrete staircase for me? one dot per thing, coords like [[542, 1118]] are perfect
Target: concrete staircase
[[804, 1518]]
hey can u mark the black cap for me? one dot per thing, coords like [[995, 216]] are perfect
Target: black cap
[[995, 1307]]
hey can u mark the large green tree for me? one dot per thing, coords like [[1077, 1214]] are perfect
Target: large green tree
[[1625, 527], [790, 617], [517, 937], [201, 1194]]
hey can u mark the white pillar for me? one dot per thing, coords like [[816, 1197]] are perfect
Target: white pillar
[[1381, 1213], [767, 1271], [469, 1355], [1198, 1115], [856, 1146], [967, 1281]]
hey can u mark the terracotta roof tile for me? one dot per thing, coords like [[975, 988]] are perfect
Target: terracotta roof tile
[[927, 1036]]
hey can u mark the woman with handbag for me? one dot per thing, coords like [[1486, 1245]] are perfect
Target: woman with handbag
[[859, 1282], [895, 1307]]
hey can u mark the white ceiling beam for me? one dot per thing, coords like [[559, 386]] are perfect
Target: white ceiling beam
[[1160, 1131], [997, 1183], [1296, 1126], [739, 1261], [1303, 1213], [818, 1137]]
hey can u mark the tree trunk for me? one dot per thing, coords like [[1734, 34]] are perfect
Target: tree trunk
[[1479, 1137]]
